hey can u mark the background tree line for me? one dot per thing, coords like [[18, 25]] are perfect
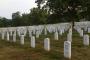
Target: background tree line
[[50, 11]]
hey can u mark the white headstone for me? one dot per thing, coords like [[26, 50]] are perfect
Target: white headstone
[[67, 49], [45, 32], [69, 37], [11, 33], [81, 33], [33, 42], [88, 30], [21, 31], [56, 35], [3, 35], [86, 40], [7, 36], [37, 34], [70, 30], [85, 28], [47, 44], [60, 32], [34, 32], [14, 37], [22, 39], [30, 34]]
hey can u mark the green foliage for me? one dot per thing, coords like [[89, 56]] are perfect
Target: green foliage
[[38, 16], [35, 17], [69, 10], [5, 22], [16, 19]]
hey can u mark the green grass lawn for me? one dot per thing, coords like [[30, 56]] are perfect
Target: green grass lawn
[[15, 51]]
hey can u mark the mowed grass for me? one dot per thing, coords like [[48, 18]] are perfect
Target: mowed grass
[[15, 51]]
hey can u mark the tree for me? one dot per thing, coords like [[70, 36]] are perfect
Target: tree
[[16, 19], [25, 20], [4, 22], [39, 2], [70, 10], [38, 16]]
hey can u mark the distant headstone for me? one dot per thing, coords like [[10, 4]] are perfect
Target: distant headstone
[[7, 36], [69, 37], [21, 31], [11, 33], [85, 28], [47, 44], [88, 30], [22, 39], [37, 34], [60, 32], [34, 32], [30, 34], [70, 30], [33, 42], [56, 35], [45, 31], [14, 37], [3, 35], [81, 33], [86, 40]]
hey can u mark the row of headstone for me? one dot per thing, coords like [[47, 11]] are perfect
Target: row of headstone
[[85, 25], [79, 30], [83, 28], [48, 28], [67, 47], [57, 29], [67, 44], [34, 30]]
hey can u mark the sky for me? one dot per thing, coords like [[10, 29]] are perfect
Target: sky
[[7, 7]]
